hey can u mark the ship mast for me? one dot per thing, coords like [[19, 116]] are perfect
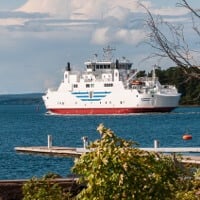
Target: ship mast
[[154, 73], [108, 53]]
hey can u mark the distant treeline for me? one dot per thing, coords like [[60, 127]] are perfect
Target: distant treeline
[[189, 88], [21, 99]]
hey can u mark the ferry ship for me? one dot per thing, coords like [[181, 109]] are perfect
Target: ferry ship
[[109, 86]]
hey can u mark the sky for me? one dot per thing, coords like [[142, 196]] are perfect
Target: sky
[[39, 37]]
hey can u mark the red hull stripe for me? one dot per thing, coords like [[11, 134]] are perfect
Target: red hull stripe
[[90, 111]]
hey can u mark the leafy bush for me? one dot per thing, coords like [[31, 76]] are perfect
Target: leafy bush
[[43, 189], [115, 169]]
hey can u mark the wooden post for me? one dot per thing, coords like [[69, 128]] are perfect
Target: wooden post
[[156, 144], [49, 141], [85, 141]]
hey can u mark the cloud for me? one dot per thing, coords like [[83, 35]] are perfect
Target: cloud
[[55, 7], [100, 36], [170, 11], [105, 35], [38, 38], [104, 21]]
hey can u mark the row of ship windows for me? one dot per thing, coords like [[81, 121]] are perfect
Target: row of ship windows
[[62, 103], [92, 85], [119, 66]]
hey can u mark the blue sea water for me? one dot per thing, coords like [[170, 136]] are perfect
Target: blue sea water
[[29, 125]]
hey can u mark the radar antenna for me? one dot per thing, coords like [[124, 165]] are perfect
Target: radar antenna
[[108, 52]]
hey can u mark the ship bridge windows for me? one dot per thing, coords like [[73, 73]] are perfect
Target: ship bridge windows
[[126, 66], [91, 66], [106, 66], [103, 66]]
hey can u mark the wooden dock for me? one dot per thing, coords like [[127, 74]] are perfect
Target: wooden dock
[[73, 151], [76, 152], [53, 151], [173, 149]]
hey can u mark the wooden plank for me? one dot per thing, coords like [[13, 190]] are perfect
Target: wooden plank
[[173, 149], [62, 151]]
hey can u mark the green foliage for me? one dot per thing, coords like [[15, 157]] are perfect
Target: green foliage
[[189, 189], [186, 195], [116, 169], [43, 189]]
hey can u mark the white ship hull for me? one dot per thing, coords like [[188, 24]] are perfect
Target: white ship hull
[[109, 91], [120, 102]]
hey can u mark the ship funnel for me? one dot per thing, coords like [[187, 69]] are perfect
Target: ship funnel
[[68, 67], [117, 64]]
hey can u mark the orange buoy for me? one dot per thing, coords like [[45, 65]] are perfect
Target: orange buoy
[[187, 137]]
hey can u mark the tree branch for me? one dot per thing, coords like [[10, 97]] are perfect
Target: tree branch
[[169, 42]]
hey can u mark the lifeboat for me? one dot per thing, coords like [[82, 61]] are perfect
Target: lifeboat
[[137, 82], [187, 137]]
